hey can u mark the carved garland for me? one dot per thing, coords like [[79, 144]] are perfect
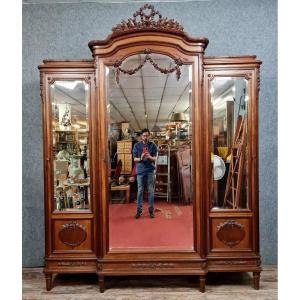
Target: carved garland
[[176, 68], [147, 18]]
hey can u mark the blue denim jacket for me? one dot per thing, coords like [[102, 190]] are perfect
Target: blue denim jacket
[[145, 166]]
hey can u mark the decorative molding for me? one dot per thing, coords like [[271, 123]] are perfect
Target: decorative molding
[[258, 81], [72, 234], [152, 265], [147, 18], [42, 87], [176, 68], [231, 262], [72, 263], [99, 266], [258, 262], [231, 233]]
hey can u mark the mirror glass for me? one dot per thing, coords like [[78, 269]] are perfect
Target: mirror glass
[[70, 132], [149, 130], [229, 102]]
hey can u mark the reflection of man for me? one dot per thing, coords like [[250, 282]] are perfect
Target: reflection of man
[[144, 154]]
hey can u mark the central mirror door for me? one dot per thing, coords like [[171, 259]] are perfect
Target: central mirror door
[[149, 126]]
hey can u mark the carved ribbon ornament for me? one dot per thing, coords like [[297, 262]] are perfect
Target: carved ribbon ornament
[[147, 18]]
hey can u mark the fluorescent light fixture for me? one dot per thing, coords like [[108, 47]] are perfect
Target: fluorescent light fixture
[[68, 84], [190, 74], [106, 71]]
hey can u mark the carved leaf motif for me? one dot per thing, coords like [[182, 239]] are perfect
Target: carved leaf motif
[[231, 233], [72, 234]]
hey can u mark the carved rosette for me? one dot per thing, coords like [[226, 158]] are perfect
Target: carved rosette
[[211, 77], [231, 233], [72, 234], [87, 79], [147, 18], [248, 76]]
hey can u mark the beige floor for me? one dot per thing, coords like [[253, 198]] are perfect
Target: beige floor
[[221, 286]]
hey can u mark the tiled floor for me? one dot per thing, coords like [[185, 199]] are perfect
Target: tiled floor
[[220, 286]]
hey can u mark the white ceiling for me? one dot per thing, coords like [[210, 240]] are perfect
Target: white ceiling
[[144, 99], [148, 97]]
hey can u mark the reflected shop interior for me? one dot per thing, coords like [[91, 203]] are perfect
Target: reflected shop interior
[[155, 94], [140, 96], [70, 146], [229, 104]]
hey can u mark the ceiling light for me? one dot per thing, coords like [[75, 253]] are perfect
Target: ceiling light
[[155, 128], [68, 84], [178, 117]]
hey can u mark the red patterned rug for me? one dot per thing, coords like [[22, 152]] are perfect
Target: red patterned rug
[[172, 227]]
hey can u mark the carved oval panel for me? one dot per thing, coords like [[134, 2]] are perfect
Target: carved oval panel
[[231, 233], [72, 234]]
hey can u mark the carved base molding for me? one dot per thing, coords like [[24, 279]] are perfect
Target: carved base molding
[[162, 267]]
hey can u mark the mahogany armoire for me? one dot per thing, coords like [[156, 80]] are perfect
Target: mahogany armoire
[[131, 83]]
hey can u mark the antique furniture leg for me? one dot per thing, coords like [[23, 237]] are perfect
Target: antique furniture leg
[[255, 280], [101, 283], [202, 283], [48, 277]]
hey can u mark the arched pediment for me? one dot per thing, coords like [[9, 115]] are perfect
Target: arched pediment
[[148, 26]]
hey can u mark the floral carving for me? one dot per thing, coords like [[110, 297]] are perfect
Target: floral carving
[[152, 265], [147, 18], [176, 68]]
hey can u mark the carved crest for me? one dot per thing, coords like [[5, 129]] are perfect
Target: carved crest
[[231, 233], [147, 18]]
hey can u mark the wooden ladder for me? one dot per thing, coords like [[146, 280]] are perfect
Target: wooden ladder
[[236, 166]]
